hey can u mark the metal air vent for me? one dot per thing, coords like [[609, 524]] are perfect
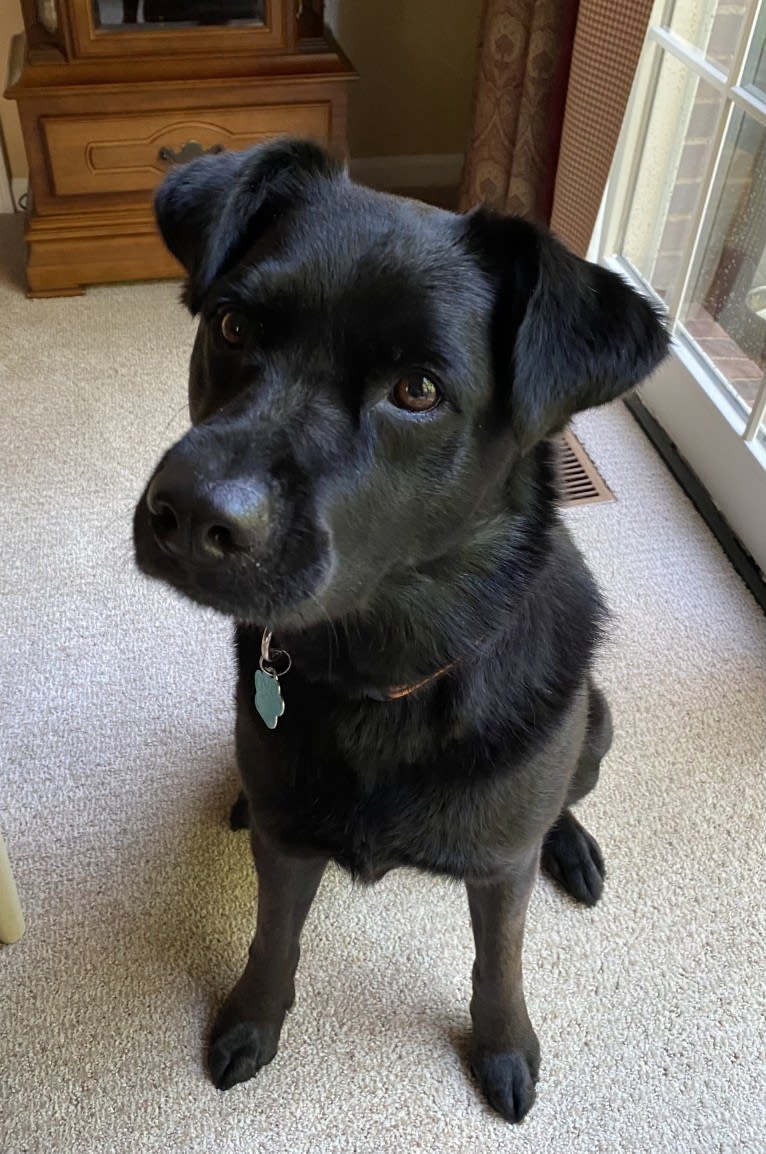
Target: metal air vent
[[578, 478]]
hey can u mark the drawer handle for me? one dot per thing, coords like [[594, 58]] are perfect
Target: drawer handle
[[190, 150]]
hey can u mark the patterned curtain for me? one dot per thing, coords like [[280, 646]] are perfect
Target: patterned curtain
[[525, 52], [552, 84]]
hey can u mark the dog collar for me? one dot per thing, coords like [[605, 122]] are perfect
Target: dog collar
[[398, 691], [269, 701]]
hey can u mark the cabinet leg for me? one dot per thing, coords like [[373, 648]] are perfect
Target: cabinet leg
[[11, 917]]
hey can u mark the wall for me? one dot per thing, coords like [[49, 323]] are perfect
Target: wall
[[416, 60], [10, 24]]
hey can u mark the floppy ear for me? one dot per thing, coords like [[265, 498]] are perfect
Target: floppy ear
[[575, 334], [211, 210]]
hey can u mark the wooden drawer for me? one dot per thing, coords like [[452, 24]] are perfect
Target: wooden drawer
[[115, 154]]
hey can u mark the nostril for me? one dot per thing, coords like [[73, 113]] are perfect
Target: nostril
[[220, 539], [164, 520]]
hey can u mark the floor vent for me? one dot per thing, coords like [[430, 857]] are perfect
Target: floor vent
[[579, 480]]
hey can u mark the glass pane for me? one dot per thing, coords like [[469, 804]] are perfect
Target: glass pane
[[726, 312], [674, 161], [754, 75], [151, 13], [711, 26]]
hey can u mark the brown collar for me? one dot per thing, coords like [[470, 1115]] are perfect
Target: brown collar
[[267, 668], [398, 691]]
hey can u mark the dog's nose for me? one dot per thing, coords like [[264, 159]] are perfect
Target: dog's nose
[[203, 521]]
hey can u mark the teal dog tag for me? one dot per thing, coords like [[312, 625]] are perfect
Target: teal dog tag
[[268, 698]]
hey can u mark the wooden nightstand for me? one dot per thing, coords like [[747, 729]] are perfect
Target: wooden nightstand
[[111, 92]]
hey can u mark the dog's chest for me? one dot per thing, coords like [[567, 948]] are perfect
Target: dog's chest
[[399, 819], [373, 789]]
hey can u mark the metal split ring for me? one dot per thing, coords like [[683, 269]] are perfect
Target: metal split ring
[[268, 657]]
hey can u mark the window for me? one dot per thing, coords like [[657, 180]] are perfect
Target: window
[[685, 212]]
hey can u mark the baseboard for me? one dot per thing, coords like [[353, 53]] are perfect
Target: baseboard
[[19, 189], [700, 498], [420, 171]]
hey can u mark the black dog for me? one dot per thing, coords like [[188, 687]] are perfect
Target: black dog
[[369, 474]]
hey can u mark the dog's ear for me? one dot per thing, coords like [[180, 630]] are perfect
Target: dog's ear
[[569, 333], [212, 210]]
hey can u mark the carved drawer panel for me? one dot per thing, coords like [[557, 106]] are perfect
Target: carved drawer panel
[[116, 154]]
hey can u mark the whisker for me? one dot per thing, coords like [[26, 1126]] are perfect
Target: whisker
[[331, 630], [176, 415]]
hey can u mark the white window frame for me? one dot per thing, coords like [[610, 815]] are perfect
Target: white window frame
[[724, 444]]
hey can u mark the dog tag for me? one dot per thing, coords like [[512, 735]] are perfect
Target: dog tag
[[268, 697]]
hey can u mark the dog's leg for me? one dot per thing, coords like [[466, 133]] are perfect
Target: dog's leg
[[505, 1053], [246, 1031], [571, 855]]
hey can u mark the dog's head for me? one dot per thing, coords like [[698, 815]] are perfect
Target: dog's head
[[369, 381]]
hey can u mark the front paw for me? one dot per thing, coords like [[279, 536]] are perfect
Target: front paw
[[507, 1080], [237, 1050], [572, 858]]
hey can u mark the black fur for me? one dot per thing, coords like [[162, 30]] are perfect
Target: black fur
[[384, 547]]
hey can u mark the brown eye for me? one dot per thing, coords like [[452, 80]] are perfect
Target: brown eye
[[233, 328], [416, 393]]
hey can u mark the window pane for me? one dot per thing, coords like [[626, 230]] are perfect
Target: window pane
[[726, 313], [754, 75], [711, 26], [671, 173]]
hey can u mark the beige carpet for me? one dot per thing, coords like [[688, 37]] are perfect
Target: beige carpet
[[116, 771]]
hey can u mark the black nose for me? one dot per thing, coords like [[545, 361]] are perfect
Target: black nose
[[205, 522]]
